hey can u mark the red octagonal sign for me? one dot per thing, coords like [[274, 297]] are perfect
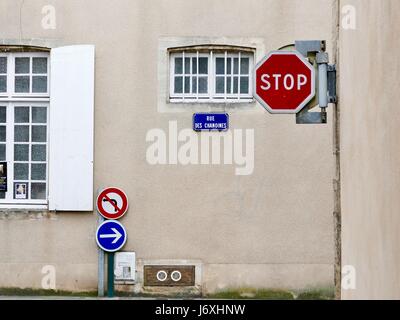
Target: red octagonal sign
[[284, 82]]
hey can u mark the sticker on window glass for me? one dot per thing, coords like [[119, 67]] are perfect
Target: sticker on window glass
[[3, 176], [20, 190]]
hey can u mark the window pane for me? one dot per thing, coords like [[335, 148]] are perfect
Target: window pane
[[3, 114], [194, 65], [228, 84], [3, 65], [21, 115], [187, 84], [21, 84], [235, 85], [220, 85], [39, 84], [3, 152], [187, 65], [39, 65], [244, 85], [3, 83], [229, 65], [38, 191], [178, 85], [194, 84], [220, 67], [39, 115], [21, 152], [22, 65], [3, 133], [178, 66], [39, 134], [203, 65], [21, 133], [38, 152], [236, 65], [203, 85], [38, 171], [21, 171], [244, 66]]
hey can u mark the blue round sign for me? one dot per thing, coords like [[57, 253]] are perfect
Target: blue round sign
[[111, 236]]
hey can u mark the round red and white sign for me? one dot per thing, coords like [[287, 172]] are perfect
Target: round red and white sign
[[112, 203]]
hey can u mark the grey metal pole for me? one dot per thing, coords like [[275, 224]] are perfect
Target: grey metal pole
[[100, 272], [100, 282]]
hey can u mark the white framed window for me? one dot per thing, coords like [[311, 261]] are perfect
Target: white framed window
[[3, 74], [47, 140], [24, 75], [24, 133], [211, 76]]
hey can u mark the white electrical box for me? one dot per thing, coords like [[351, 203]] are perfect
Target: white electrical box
[[125, 267]]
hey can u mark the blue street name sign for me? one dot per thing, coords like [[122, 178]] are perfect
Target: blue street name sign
[[111, 236], [210, 121]]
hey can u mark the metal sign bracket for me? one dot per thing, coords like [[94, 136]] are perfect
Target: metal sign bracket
[[332, 95], [326, 94]]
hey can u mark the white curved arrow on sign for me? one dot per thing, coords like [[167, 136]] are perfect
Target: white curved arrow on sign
[[117, 235]]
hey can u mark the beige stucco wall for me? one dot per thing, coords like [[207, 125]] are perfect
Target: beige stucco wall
[[369, 84], [273, 228]]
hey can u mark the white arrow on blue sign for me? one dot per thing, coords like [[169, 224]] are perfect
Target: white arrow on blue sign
[[111, 236]]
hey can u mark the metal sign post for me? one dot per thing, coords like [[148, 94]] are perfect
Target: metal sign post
[[111, 236], [110, 275]]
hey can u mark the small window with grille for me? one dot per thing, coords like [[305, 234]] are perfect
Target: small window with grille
[[211, 75]]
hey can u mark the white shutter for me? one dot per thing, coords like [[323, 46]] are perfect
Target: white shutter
[[71, 128]]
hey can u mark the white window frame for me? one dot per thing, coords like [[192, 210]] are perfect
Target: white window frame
[[10, 100], [188, 96], [211, 96], [10, 94], [234, 96]]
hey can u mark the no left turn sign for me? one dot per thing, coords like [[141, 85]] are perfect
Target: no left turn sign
[[112, 203]]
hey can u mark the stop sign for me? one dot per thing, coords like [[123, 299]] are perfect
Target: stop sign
[[284, 82]]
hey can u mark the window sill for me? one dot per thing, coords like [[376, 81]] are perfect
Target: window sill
[[207, 106], [211, 101], [23, 206], [24, 99]]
